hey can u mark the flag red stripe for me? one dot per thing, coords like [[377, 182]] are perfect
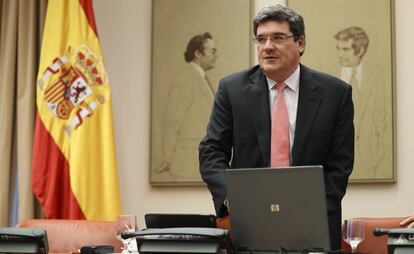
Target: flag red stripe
[[56, 87], [56, 94], [50, 177], [88, 9], [56, 97], [57, 84], [56, 100]]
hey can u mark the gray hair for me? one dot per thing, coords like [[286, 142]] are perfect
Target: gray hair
[[280, 13], [357, 35]]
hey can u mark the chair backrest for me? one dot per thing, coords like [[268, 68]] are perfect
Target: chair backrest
[[70, 235], [223, 222], [371, 243]]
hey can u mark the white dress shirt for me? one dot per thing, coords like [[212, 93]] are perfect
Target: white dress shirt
[[346, 74], [198, 69]]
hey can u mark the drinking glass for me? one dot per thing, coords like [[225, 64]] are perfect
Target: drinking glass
[[353, 233], [126, 223]]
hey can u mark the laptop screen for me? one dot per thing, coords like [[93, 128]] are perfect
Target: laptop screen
[[273, 208]]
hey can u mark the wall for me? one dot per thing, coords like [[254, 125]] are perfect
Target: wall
[[125, 31]]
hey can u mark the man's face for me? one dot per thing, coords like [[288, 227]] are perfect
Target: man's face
[[278, 60], [346, 54], [207, 59]]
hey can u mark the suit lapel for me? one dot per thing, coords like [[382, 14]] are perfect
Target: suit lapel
[[366, 92], [308, 105], [257, 97]]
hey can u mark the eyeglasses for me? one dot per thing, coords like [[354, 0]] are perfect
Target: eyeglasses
[[213, 51], [275, 39]]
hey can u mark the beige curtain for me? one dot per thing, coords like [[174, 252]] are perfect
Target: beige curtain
[[21, 23]]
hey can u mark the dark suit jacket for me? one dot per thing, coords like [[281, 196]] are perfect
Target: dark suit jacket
[[239, 134]]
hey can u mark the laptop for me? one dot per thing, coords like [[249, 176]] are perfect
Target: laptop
[[273, 209], [168, 220]]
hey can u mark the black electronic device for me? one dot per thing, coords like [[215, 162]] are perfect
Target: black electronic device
[[23, 240], [400, 240], [179, 240], [97, 249], [174, 220]]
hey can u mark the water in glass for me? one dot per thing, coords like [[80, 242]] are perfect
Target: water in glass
[[353, 233], [126, 223]]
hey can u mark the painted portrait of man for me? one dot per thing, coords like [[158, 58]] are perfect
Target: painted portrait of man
[[368, 94], [358, 49], [187, 64]]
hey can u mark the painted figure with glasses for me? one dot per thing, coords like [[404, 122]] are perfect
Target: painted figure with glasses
[[188, 108], [281, 113]]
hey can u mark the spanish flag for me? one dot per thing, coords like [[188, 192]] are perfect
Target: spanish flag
[[74, 172]]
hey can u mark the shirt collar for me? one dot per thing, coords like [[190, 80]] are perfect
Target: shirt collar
[[198, 69], [292, 81], [346, 72]]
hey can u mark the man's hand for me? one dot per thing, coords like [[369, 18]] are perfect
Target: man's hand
[[409, 222]]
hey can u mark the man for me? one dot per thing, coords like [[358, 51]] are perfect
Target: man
[[188, 107], [369, 98], [319, 129]]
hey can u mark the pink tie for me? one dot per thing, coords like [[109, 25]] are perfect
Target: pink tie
[[280, 148]]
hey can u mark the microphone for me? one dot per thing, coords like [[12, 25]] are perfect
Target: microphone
[[127, 235], [393, 231], [380, 231]]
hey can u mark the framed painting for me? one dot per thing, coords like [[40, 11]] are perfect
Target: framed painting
[[353, 40], [194, 44]]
